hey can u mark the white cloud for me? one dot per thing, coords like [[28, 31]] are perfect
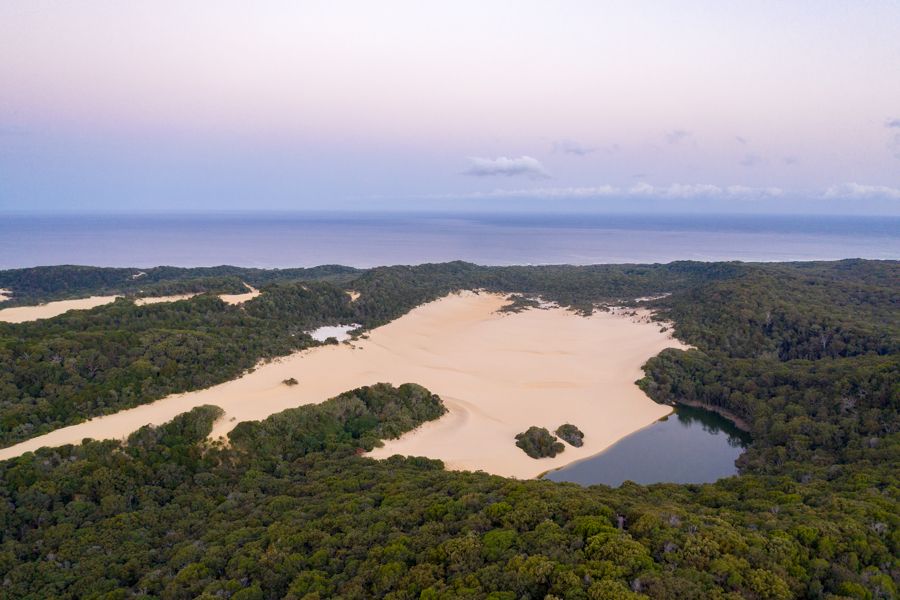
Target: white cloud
[[639, 190], [860, 191], [508, 167], [702, 190]]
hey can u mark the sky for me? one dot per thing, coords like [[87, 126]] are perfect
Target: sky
[[704, 106]]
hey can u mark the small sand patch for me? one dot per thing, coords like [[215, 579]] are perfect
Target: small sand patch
[[160, 299], [240, 298]]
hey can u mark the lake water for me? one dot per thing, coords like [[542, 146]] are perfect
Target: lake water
[[339, 332], [366, 240], [691, 445]]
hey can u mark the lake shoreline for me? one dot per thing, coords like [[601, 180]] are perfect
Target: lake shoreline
[[722, 412]]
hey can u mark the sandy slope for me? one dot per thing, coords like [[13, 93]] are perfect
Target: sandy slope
[[240, 298], [497, 373], [20, 314], [160, 299]]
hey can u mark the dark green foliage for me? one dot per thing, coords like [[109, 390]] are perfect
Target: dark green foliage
[[289, 509], [43, 284], [355, 420], [519, 303], [537, 442], [805, 354], [59, 371], [571, 434], [290, 381]]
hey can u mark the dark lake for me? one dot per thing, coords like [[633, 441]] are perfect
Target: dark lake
[[691, 445]]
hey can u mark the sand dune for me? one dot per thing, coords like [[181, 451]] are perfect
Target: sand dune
[[160, 299], [20, 314], [240, 298], [497, 373]]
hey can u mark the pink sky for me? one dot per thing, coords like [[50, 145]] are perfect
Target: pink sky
[[305, 103]]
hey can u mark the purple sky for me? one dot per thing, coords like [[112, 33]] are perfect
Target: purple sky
[[714, 106]]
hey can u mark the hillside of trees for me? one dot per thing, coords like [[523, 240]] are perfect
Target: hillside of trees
[[806, 354]]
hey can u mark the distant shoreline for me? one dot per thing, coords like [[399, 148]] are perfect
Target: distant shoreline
[[285, 240]]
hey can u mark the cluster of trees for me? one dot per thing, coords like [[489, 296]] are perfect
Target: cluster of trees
[[805, 354], [571, 434], [537, 442]]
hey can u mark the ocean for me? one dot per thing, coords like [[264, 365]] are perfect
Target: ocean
[[277, 240]]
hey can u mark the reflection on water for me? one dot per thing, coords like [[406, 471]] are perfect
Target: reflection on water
[[691, 445]]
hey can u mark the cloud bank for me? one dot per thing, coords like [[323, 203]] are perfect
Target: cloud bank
[[640, 190], [860, 191], [507, 167]]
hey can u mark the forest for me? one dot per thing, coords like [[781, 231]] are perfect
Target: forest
[[806, 355]]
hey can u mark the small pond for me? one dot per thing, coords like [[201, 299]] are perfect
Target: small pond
[[338, 332], [691, 445]]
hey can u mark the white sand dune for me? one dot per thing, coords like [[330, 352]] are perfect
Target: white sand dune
[[160, 299], [21, 314], [497, 373], [240, 298], [5, 295]]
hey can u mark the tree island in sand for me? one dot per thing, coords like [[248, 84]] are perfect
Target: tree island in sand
[[498, 374]]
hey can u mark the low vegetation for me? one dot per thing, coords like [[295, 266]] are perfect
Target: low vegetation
[[537, 442], [571, 434], [290, 381]]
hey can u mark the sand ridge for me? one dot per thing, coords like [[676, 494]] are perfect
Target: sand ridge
[[160, 299], [22, 314], [498, 374]]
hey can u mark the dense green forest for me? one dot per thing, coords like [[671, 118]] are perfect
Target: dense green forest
[[805, 354]]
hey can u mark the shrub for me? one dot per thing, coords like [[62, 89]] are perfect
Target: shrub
[[571, 434], [538, 443]]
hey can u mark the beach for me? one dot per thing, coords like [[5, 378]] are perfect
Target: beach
[[497, 373]]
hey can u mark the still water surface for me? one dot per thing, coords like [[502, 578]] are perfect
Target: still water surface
[[691, 445]]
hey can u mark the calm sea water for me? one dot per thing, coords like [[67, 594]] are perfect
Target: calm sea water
[[691, 445], [365, 240]]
